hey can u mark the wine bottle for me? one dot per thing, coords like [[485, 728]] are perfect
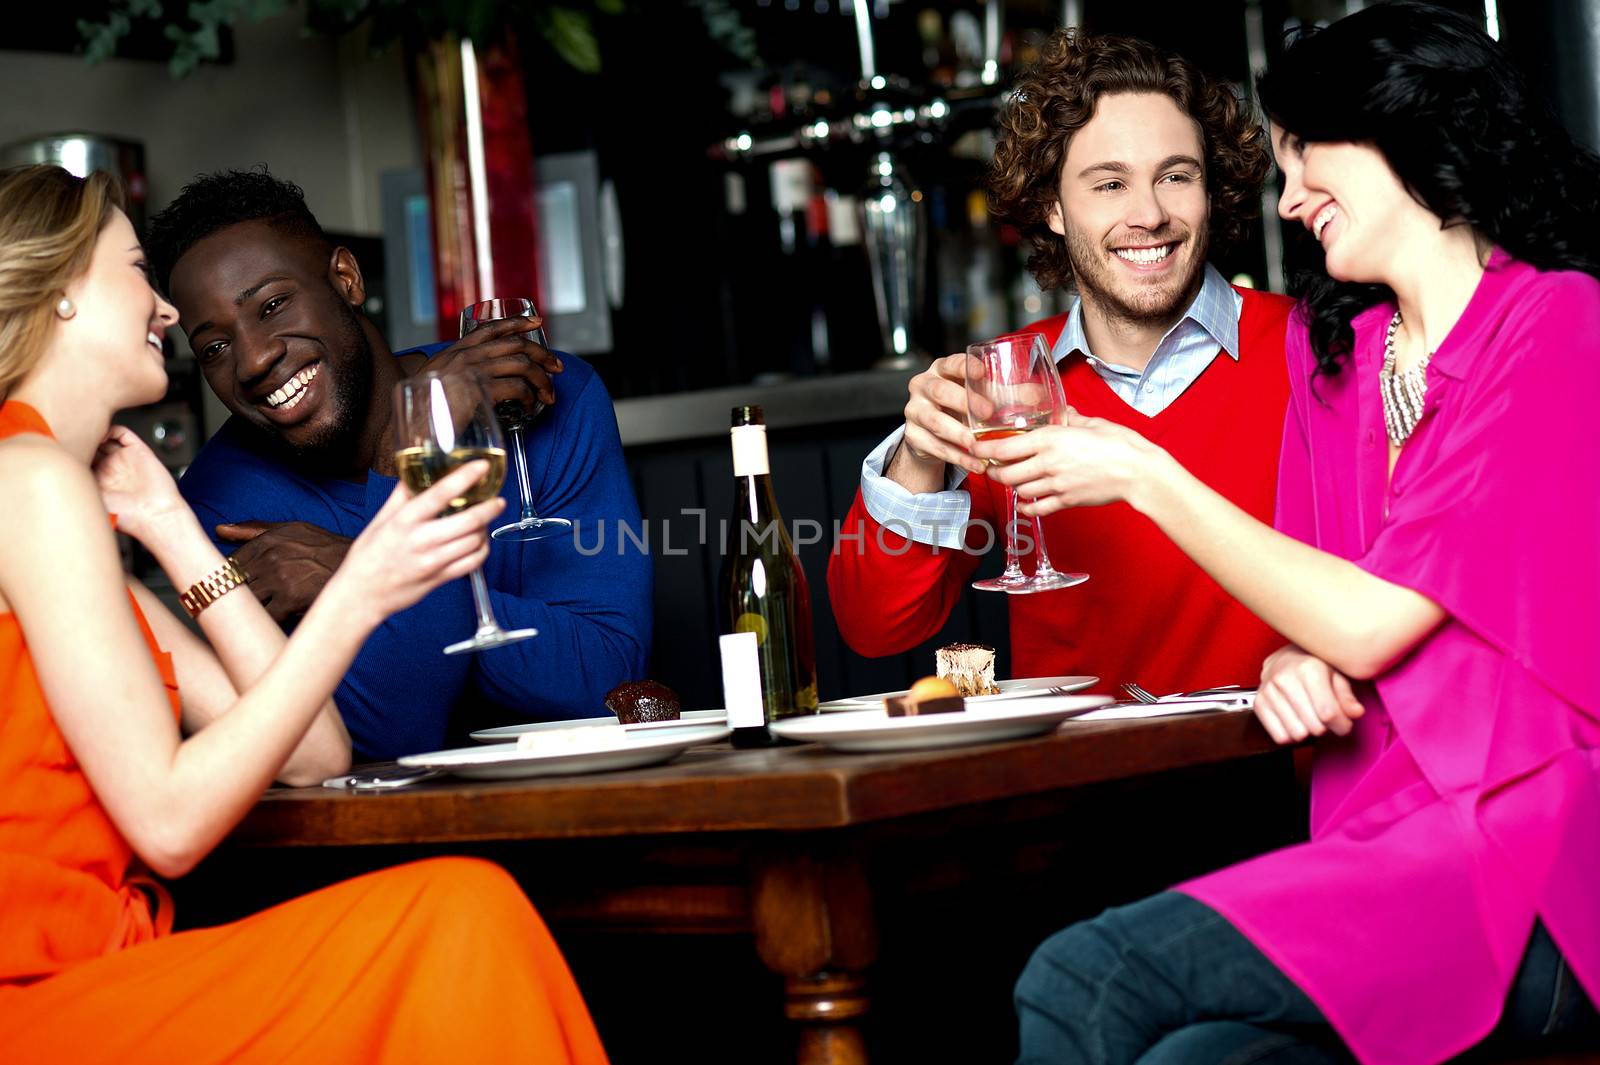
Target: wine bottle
[[794, 323], [764, 589]]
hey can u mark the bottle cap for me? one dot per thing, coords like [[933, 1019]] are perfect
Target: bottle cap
[[750, 414]]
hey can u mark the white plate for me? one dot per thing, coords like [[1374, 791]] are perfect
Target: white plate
[[1021, 688], [511, 732], [875, 730], [585, 750]]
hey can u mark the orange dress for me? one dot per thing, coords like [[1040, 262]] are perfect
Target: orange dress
[[436, 961]]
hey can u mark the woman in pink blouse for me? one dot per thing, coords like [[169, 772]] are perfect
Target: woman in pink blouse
[[1436, 571]]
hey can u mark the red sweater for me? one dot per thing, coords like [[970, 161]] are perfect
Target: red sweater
[[1147, 613]]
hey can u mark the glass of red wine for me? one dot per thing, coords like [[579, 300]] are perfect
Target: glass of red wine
[[1018, 391], [513, 418]]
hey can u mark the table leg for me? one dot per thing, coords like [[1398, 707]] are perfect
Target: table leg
[[812, 913]]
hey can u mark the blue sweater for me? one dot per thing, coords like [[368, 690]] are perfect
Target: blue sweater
[[593, 613]]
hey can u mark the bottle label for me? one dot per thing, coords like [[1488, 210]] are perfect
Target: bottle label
[[750, 451], [741, 680]]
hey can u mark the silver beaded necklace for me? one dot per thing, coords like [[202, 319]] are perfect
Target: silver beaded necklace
[[1404, 393]]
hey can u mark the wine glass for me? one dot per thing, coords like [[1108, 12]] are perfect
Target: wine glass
[[529, 525], [1018, 392], [442, 420]]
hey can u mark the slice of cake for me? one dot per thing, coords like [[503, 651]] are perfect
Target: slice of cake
[[969, 666]]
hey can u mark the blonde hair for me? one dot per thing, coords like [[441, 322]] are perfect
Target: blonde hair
[[49, 223]]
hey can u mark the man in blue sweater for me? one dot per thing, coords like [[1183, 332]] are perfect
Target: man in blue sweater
[[271, 309]]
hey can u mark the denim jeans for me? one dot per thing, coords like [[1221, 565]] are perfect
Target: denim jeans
[[1169, 981]]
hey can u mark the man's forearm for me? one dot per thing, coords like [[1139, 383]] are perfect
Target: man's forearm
[[583, 651], [915, 475]]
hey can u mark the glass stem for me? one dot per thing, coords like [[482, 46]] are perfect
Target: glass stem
[[480, 601], [1013, 556], [520, 462], [1042, 557]]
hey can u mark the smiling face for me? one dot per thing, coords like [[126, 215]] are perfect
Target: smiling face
[[1349, 199], [271, 317], [119, 315], [1133, 209]]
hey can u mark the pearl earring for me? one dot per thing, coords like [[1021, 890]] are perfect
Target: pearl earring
[[65, 308]]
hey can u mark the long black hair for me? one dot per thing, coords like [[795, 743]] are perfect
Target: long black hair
[[1459, 125]]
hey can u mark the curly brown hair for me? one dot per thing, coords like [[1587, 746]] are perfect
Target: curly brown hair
[[1057, 97]]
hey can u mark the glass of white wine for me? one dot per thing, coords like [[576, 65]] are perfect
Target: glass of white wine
[[1019, 391], [441, 421]]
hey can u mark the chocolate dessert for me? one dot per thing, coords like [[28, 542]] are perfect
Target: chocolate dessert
[[642, 700], [969, 666], [930, 695], [903, 706]]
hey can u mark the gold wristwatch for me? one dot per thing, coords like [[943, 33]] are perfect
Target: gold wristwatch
[[213, 586]]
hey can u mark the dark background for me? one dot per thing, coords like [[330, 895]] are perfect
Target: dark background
[[711, 299]]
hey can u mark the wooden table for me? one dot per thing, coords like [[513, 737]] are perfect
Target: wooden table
[[781, 842]]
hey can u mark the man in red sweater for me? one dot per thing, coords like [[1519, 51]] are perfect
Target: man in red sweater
[[1123, 164]]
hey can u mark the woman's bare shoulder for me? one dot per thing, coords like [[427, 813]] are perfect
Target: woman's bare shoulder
[[43, 490], [36, 468], [48, 505]]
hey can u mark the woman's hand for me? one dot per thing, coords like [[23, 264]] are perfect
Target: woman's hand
[[1301, 696], [135, 486], [407, 550], [1079, 462]]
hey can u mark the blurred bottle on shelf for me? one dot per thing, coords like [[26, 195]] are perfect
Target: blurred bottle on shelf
[[966, 39], [986, 281], [938, 51], [800, 323], [851, 304]]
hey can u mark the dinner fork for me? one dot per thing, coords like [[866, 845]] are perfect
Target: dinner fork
[[1145, 697], [1139, 693]]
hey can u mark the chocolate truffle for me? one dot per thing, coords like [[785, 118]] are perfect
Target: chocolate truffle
[[642, 700]]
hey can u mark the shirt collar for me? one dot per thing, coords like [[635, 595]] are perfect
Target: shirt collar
[[1215, 309], [1457, 351]]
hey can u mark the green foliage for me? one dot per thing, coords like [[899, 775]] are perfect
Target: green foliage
[[195, 33], [727, 29], [571, 34]]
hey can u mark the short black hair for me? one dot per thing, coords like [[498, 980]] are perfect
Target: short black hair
[[215, 201]]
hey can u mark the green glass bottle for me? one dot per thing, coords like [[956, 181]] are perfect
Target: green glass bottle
[[764, 590]]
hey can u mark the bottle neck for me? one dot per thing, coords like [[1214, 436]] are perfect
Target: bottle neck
[[750, 451], [754, 500], [752, 475]]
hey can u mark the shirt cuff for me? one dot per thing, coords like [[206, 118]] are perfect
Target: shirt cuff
[[936, 519]]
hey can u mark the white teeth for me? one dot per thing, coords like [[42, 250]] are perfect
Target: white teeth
[[1324, 216], [293, 390], [1144, 255], [153, 337]]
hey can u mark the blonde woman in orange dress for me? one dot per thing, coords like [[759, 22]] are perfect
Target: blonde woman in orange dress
[[442, 960]]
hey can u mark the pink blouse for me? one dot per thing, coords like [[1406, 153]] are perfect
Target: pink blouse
[[1466, 802]]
